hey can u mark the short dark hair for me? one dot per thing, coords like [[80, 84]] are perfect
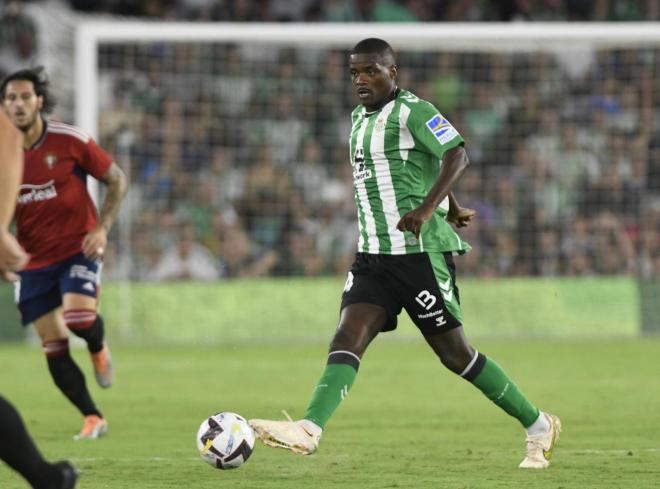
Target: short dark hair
[[39, 79], [373, 45]]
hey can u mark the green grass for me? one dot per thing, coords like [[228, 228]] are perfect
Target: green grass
[[407, 423]]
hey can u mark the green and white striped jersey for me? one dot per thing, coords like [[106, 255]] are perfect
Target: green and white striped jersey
[[396, 153]]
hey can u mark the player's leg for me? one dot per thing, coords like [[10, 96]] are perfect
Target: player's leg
[[18, 450], [486, 375], [359, 324], [79, 284], [368, 307], [81, 318], [65, 372], [451, 346]]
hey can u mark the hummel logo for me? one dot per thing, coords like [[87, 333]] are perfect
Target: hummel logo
[[349, 282], [447, 291]]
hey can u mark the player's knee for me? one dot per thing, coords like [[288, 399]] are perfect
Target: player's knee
[[344, 340], [453, 362], [79, 319], [453, 356], [457, 359]]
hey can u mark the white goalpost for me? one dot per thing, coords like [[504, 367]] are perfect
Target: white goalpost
[[452, 37]]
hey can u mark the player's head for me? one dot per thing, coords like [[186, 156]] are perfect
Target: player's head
[[24, 95], [373, 72]]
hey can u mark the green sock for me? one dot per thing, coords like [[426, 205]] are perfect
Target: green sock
[[499, 388], [330, 390]]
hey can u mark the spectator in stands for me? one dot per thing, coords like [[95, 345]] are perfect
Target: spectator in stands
[[18, 40], [300, 256], [482, 120], [614, 252], [186, 259], [265, 207], [241, 257], [573, 169], [562, 138]]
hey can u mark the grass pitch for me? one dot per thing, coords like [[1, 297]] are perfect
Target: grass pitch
[[407, 423]]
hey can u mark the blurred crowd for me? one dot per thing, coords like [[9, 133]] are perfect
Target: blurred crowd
[[239, 162], [378, 10], [240, 165], [368, 10]]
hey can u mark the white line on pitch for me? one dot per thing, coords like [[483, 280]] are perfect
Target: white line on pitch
[[614, 451], [586, 451]]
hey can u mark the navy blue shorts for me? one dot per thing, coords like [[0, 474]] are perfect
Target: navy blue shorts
[[41, 290]]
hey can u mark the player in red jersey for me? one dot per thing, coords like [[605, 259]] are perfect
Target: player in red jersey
[[57, 224], [17, 448]]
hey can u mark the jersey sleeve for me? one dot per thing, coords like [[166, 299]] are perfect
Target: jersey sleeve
[[94, 160], [431, 129]]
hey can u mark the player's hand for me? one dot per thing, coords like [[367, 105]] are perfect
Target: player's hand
[[94, 243], [412, 221], [460, 216], [12, 255], [9, 276]]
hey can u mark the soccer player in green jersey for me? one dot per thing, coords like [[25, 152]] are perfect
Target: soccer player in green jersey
[[406, 157]]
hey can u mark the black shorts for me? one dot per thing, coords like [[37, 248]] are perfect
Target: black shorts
[[424, 284]]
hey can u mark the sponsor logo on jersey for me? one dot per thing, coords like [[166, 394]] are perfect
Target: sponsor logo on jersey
[[50, 159], [431, 314], [441, 129], [439, 316], [36, 193], [360, 171]]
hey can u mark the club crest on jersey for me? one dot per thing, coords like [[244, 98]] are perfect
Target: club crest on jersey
[[360, 171], [379, 126], [50, 159], [441, 129]]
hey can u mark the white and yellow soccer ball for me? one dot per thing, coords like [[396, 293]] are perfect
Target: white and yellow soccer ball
[[225, 440]]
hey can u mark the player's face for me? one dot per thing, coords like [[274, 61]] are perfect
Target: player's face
[[373, 78], [22, 104]]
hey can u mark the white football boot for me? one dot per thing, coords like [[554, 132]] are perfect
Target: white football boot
[[539, 447], [300, 437]]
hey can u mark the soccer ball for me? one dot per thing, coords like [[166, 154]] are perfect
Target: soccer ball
[[225, 440]]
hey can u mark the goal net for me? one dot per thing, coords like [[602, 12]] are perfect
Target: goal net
[[236, 141]]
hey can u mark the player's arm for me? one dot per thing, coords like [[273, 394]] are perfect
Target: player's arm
[[95, 241], [454, 163], [12, 256], [12, 169]]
